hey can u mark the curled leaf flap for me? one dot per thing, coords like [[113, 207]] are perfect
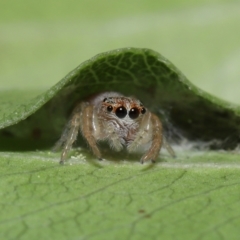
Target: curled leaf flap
[[185, 110]]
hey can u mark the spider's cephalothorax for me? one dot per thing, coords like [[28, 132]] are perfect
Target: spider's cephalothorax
[[122, 121]]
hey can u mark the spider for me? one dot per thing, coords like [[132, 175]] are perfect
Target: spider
[[121, 121]]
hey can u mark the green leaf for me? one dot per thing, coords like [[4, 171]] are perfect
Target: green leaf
[[175, 200], [143, 73], [192, 197]]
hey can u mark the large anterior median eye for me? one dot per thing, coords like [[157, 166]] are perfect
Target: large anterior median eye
[[121, 112], [133, 113]]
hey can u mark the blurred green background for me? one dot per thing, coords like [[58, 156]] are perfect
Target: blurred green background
[[41, 41]]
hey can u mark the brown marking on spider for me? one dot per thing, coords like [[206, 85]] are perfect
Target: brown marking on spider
[[119, 120]]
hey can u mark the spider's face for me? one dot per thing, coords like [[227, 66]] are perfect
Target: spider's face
[[123, 108]]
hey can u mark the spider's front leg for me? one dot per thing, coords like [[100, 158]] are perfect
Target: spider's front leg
[[142, 136], [82, 117], [70, 133], [89, 126], [156, 140]]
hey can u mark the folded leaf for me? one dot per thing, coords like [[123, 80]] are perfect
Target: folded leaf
[[187, 112]]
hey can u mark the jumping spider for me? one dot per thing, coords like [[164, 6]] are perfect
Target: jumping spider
[[119, 120]]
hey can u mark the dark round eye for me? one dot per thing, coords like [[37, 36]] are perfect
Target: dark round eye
[[121, 112], [109, 108], [143, 110], [133, 113]]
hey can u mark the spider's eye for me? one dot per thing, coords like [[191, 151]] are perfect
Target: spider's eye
[[109, 108], [143, 110], [121, 112], [133, 113]]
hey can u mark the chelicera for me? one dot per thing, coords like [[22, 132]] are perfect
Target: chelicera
[[121, 121]]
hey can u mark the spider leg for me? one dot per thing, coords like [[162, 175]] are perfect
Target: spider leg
[[167, 146], [58, 145], [87, 128], [157, 137], [70, 133], [140, 138]]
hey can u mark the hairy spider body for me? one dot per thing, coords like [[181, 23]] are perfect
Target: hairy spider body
[[119, 120]]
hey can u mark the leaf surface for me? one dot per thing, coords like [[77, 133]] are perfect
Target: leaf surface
[[179, 199]]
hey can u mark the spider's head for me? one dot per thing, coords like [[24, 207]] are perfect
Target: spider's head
[[123, 107]]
